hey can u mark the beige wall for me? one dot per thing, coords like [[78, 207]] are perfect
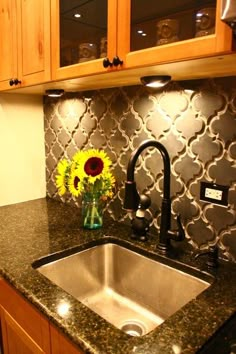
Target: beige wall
[[22, 153]]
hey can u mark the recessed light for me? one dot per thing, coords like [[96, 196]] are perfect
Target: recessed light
[[155, 81], [77, 15]]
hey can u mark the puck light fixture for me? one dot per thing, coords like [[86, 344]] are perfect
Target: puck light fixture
[[155, 81], [54, 92]]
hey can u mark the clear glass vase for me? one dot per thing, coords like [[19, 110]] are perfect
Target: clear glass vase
[[92, 210]]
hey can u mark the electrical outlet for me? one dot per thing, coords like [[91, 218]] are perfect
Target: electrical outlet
[[214, 193]]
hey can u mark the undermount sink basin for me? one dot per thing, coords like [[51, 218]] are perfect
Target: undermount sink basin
[[129, 290]]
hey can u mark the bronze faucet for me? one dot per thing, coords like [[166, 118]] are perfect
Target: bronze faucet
[[132, 198]]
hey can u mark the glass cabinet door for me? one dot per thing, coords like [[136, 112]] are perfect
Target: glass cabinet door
[[163, 22], [83, 31]]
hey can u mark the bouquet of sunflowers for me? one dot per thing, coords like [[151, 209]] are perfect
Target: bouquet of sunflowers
[[87, 172]]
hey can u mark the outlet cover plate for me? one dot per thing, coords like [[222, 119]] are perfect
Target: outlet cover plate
[[214, 193]]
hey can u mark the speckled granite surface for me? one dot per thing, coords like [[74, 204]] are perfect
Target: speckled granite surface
[[37, 228]]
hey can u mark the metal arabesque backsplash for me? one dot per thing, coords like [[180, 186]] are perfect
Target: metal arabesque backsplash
[[195, 121]]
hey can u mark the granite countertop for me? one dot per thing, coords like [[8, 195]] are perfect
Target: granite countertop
[[34, 229]]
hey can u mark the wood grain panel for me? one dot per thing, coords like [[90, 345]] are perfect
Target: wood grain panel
[[22, 316]]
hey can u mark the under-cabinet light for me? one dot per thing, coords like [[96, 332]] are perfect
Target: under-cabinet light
[[54, 92], [155, 81]]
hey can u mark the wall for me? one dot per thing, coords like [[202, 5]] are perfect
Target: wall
[[22, 153], [195, 121]]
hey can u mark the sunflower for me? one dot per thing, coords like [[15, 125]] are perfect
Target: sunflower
[[94, 164], [87, 172], [61, 179]]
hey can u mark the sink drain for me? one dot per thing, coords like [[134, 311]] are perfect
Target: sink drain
[[133, 328]]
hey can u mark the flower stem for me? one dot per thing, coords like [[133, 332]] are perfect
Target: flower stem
[[92, 219]]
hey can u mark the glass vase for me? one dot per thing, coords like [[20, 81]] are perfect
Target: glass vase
[[92, 211]]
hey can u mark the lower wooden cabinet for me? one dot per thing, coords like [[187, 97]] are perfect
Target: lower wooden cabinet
[[60, 345], [16, 340], [24, 330]]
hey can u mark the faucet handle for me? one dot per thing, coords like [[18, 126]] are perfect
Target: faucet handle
[[213, 255], [181, 233], [177, 235]]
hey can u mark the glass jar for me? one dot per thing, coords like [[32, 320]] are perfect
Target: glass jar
[[92, 210]]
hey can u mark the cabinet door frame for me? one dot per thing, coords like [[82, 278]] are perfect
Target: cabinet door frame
[[86, 68], [215, 44]]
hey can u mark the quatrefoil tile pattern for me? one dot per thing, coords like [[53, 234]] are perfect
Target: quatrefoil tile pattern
[[195, 121]]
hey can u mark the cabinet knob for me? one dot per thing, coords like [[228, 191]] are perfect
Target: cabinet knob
[[14, 82], [17, 82], [107, 63], [117, 61]]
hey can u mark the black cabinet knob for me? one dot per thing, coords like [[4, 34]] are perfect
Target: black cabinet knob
[[107, 63], [117, 61], [14, 82], [17, 82]]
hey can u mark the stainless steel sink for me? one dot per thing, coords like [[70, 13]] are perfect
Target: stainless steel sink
[[129, 290]]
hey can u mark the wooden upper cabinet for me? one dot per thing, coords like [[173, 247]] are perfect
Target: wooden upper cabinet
[[169, 31], [24, 43], [83, 34], [140, 34], [43, 41]]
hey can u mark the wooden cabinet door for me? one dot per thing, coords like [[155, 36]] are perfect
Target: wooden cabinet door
[[8, 42], [24, 329], [34, 41], [24, 42], [220, 42], [60, 345], [15, 339], [98, 21]]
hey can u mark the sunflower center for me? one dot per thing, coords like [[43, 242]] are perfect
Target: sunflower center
[[93, 166], [76, 182]]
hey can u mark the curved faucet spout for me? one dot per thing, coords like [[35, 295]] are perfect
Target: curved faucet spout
[[166, 160], [131, 199]]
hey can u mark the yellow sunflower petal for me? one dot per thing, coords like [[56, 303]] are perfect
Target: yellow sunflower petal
[[61, 184], [78, 156], [62, 166], [61, 177]]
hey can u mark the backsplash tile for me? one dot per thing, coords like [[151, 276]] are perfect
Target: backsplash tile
[[195, 121]]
